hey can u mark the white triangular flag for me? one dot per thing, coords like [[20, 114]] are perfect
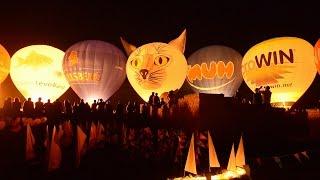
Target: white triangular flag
[[124, 134], [259, 161], [240, 157], [81, 139], [213, 158], [46, 141], [278, 161], [55, 151], [67, 128], [191, 159], [100, 133], [59, 134], [296, 155], [30, 141], [232, 160], [304, 153], [67, 131], [93, 135]]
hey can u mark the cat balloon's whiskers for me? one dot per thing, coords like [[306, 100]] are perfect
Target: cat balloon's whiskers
[[157, 71], [153, 82], [156, 77]]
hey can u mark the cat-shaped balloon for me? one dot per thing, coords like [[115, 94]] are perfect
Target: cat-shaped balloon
[[156, 67]]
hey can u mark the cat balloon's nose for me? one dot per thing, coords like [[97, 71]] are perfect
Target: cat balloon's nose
[[144, 73]]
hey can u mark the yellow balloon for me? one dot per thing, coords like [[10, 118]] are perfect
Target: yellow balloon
[[285, 64], [4, 63], [156, 67], [317, 55], [37, 72]]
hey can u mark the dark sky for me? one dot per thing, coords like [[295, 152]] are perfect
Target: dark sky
[[237, 24]]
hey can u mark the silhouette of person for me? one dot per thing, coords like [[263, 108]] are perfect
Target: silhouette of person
[[172, 98], [129, 108], [119, 111], [68, 108], [16, 107], [39, 107], [101, 105], [47, 107], [28, 108], [151, 99], [7, 107], [257, 97], [156, 100], [266, 95], [162, 102], [94, 106]]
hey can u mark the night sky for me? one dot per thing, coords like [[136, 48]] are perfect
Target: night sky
[[237, 24]]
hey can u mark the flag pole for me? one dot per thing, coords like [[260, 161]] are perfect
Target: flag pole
[[208, 151]]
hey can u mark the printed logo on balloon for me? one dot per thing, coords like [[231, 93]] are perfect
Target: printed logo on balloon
[[36, 71], [284, 64], [94, 69], [215, 70], [156, 67]]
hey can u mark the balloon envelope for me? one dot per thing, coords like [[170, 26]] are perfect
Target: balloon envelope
[[285, 64], [317, 55], [94, 69], [4, 63], [156, 67], [215, 70], [36, 71]]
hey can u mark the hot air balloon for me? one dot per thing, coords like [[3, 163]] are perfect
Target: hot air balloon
[[317, 55], [284, 64], [94, 69], [4, 63], [215, 70], [36, 71], [156, 67]]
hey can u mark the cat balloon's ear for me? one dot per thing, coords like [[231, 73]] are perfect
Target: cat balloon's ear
[[180, 42], [129, 48]]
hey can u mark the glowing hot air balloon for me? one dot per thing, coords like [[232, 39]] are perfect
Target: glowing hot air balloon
[[285, 64], [37, 72], [4, 63], [156, 67], [94, 69], [317, 55], [215, 70]]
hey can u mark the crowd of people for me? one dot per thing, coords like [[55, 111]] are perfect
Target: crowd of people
[[130, 125], [262, 96]]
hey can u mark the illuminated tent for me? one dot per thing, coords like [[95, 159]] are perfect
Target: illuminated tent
[[215, 70], [156, 67], [4, 63], [317, 55], [285, 64], [94, 69], [37, 72]]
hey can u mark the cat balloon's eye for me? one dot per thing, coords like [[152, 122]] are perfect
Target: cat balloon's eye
[[161, 60], [135, 63]]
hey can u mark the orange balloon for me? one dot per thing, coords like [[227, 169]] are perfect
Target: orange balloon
[[4, 63], [317, 55]]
